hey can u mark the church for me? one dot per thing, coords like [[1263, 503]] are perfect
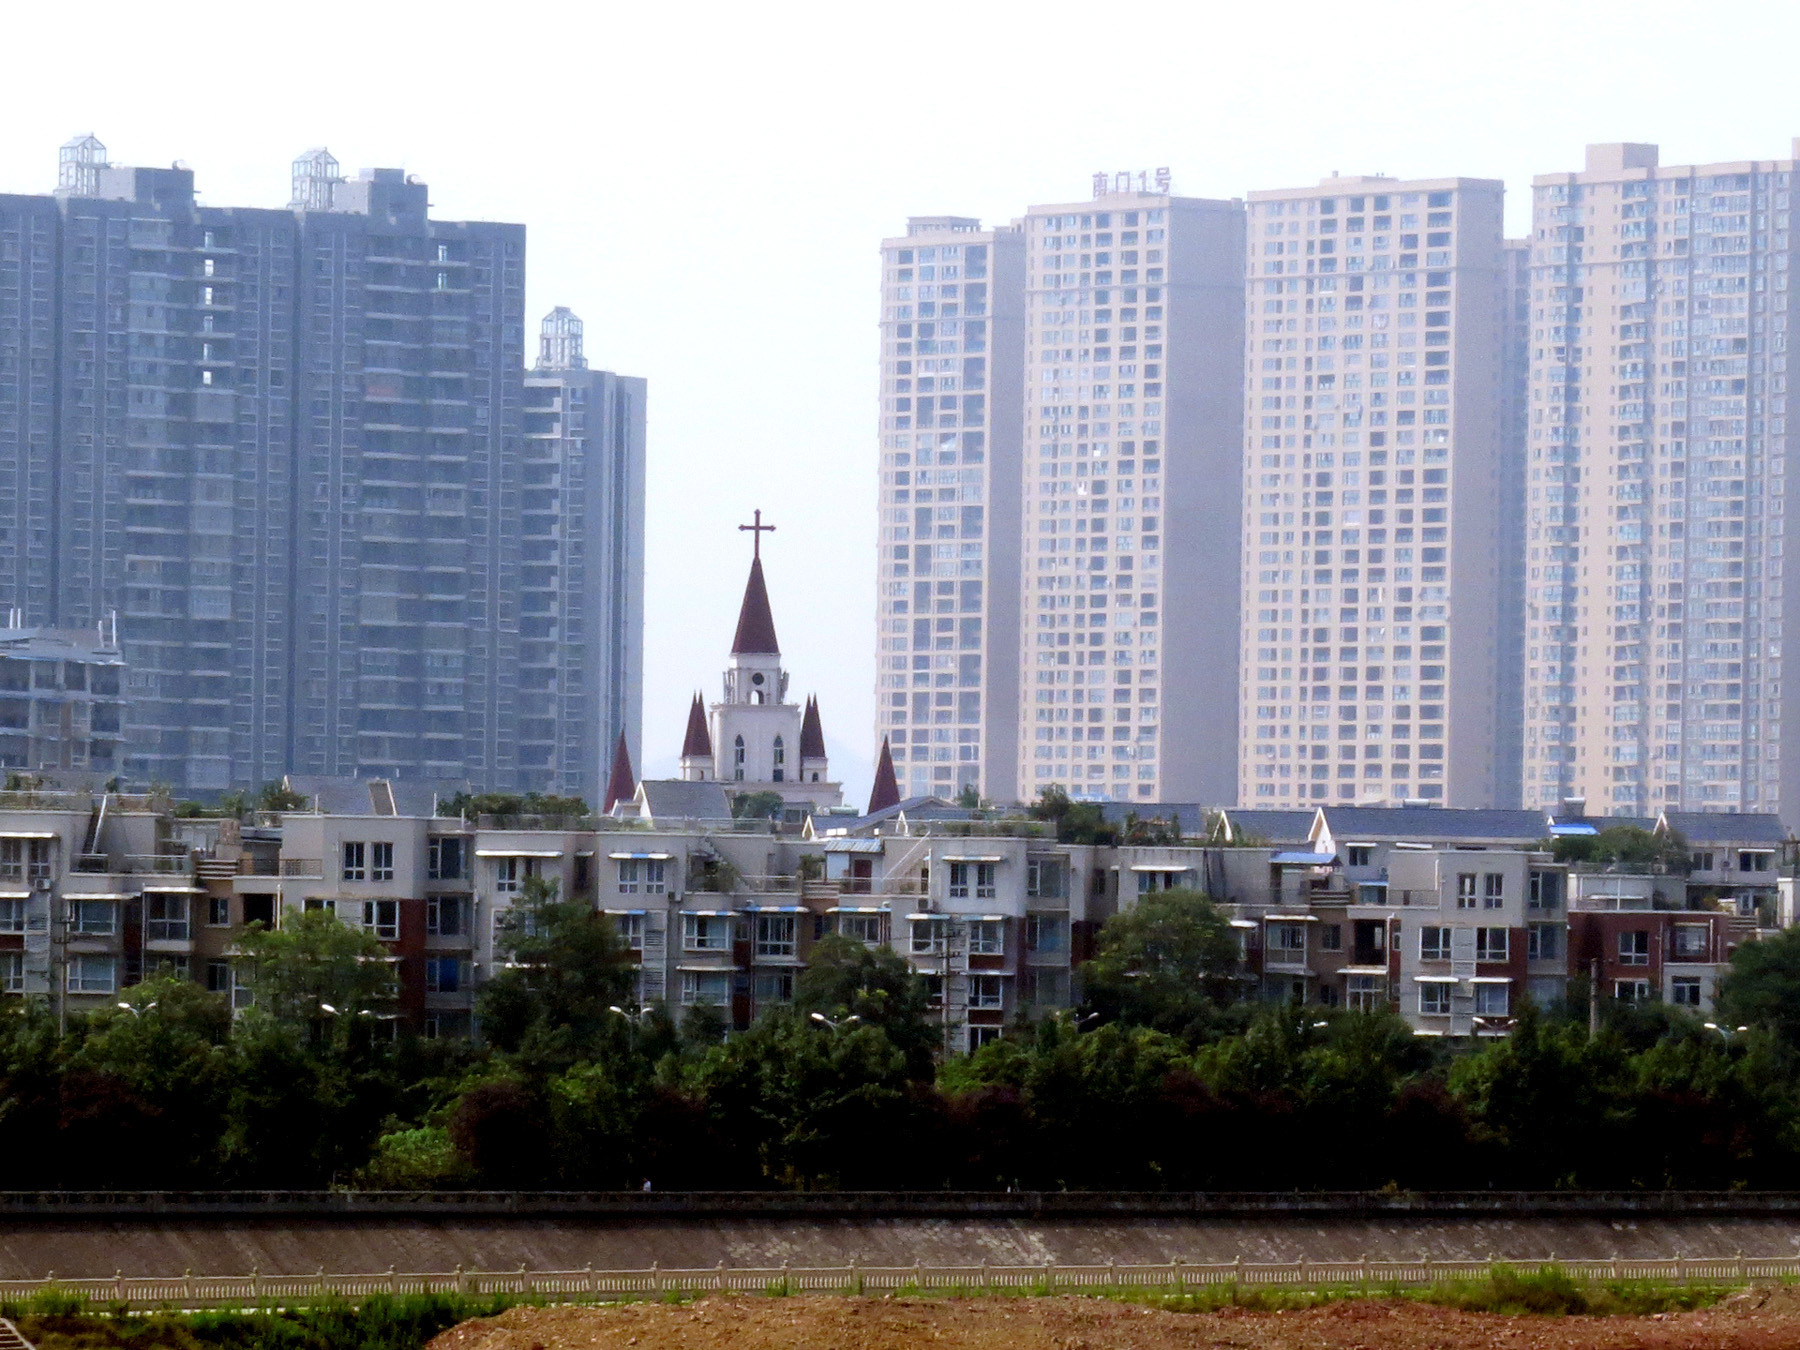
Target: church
[[754, 739]]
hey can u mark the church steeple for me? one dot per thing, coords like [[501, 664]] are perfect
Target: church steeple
[[698, 743], [623, 783], [886, 790], [756, 624]]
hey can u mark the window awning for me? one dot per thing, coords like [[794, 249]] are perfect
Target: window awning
[[15, 895], [1291, 918], [1434, 979], [150, 886], [988, 918], [853, 845], [1361, 843], [1363, 970], [1764, 851], [1303, 859], [624, 911], [93, 895], [632, 857], [974, 857], [917, 917], [1490, 979], [517, 853], [710, 913], [857, 909], [1162, 867], [776, 909], [28, 834], [1243, 923], [705, 970]]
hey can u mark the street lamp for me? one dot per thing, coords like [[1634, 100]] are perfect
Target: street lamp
[[135, 1011], [835, 1023], [1726, 1032]]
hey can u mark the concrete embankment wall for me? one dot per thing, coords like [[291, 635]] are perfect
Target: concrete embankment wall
[[30, 1248]]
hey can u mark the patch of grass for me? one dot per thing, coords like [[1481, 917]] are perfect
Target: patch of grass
[[1551, 1291]]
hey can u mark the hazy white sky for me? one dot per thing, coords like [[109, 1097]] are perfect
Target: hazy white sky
[[707, 184]]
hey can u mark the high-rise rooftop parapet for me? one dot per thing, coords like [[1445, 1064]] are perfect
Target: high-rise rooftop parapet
[[78, 165], [559, 341], [316, 173]]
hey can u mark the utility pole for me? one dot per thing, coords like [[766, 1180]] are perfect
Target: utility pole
[[1593, 998]]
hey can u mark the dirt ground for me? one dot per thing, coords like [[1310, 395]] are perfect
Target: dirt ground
[[1756, 1320]]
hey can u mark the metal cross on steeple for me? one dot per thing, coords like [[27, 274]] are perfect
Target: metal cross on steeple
[[756, 533]]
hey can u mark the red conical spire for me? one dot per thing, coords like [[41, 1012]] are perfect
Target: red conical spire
[[812, 733], [886, 791], [756, 625], [698, 743], [623, 783]]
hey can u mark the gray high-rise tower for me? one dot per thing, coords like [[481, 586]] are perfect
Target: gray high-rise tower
[[286, 448]]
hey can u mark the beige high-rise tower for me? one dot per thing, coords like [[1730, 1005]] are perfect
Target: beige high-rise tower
[[1375, 444], [1128, 625], [1661, 305]]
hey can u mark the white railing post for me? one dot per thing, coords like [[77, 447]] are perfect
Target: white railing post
[[656, 1276]]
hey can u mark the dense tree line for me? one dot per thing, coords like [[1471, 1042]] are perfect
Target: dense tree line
[[1163, 1080]]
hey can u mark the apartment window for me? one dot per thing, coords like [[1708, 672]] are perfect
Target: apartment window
[[1046, 932], [706, 932], [705, 988], [93, 974], [1545, 890], [1043, 880], [737, 759], [1493, 1000], [1434, 1000], [1754, 860], [165, 917], [980, 1036], [1331, 937], [1359, 855], [93, 918], [986, 992], [630, 929], [780, 760], [356, 862], [985, 875], [381, 862], [1543, 941], [1366, 993], [1465, 890], [218, 977], [218, 911], [774, 935], [864, 928], [1493, 890], [1702, 861], [927, 936], [959, 881], [1684, 991], [12, 972], [774, 986], [1690, 941], [642, 874], [382, 918], [1434, 944], [12, 916], [444, 859], [510, 874], [25, 859], [1287, 941], [1631, 991], [446, 975], [987, 937], [446, 915], [1634, 947], [1490, 944]]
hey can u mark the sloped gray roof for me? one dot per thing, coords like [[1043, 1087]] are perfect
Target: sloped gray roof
[[1433, 822], [1189, 816], [369, 796], [1277, 827], [1727, 827], [671, 799], [921, 808]]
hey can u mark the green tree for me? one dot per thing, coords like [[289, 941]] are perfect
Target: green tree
[[969, 798], [473, 804], [1075, 822], [315, 969], [1169, 962], [565, 967], [275, 795], [1626, 847], [1762, 987], [844, 978], [763, 805]]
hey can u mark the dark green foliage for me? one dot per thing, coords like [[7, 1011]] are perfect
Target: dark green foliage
[[1625, 848], [877, 986], [566, 967], [757, 806], [473, 804], [1075, 822], [1762, 988], [1168, 962]]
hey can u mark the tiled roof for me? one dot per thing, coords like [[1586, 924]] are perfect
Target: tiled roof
[[1276, 827], [1726, 827], [756, 624], [672, 799], [375, 796], [1189, 816], [1434, 822]]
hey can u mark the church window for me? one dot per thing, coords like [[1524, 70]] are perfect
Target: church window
[[780, 760], [737, 759]]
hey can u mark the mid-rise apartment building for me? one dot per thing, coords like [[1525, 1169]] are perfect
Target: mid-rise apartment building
[[1374, 462], [62, 706], [947, 605], [1661, 307], [581, 565], [285, 448], [1129, 610]]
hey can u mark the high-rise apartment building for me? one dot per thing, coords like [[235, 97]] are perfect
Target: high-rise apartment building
[[1129, 606], [1661, 306], [581, 583], [1374, 455], [285, 447], [947, 658]]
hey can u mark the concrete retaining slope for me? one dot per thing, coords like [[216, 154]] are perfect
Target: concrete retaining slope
[[30, 1249]]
